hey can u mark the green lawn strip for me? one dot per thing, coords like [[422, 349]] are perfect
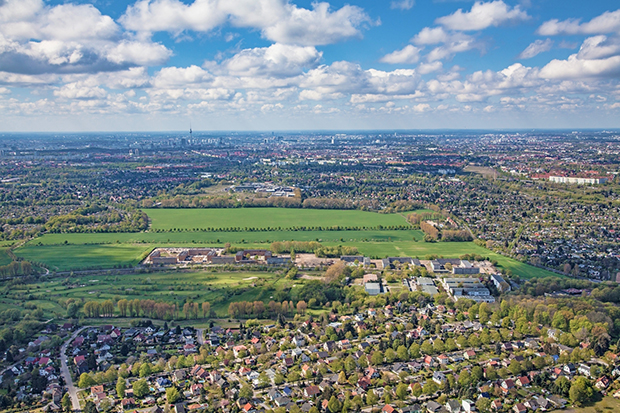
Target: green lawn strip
[[224, 237], [167, 219]]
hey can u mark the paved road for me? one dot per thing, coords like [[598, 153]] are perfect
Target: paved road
[[200, 336], [66, 374]]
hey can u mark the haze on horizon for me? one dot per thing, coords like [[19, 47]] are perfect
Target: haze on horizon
[[253, 65]]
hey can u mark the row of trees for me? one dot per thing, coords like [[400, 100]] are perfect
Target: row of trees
[[257, 309], [99, 309], [16, 268]]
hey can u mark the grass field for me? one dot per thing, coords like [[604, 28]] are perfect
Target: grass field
[[62, 258], [61, 252], [174, 287], [5, 259], [167, 219], [74, 255], [606, 404]]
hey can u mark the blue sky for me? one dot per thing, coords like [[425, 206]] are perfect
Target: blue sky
[[106, 65]]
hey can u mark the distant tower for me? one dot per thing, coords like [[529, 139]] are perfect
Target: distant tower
[[190, 130]]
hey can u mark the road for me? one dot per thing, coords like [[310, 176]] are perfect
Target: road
[[66, 374], [200, 336]]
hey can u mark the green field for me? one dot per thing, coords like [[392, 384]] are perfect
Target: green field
[[63, 258], [193, 218], [173, 287], [224, 237], [5, 259], [76, 256], [62, 252]]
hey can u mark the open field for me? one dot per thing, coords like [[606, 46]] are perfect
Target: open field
[[5, 259], [62, 252], [74, 256], [63, 258], [607, 404], [167, 219], [224, 237], [173, 287]]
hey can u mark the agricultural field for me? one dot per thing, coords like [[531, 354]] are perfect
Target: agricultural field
[[64, 252], [217, 238], [190, 219]]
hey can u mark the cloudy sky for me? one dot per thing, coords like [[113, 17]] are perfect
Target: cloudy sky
[[110, 65]]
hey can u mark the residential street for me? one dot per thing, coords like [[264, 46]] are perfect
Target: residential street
[[66, 374]]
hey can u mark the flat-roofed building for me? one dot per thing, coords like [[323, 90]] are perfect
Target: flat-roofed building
[[373, 288]]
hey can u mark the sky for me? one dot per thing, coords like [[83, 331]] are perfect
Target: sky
[[163, 65]]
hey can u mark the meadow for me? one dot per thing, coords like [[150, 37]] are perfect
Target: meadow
[[168, 219], [173, 287], [63, 252]]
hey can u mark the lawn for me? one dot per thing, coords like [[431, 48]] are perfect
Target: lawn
[[607, 404], [219, 289], [219, 238], [67, 257], [60, 257], [168, 219]]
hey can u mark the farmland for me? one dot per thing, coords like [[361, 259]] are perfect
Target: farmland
[[63, 252], [168, 219]]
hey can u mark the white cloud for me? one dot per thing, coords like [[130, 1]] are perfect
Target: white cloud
[[140, 53], [575, 68], [599, 56], [450, 49], [276, 60], [175, 77], [278, 20], [607, 22], [426, 68], [430, 35], [539, 46], [482, 15], [599, 47], [422, 107], [402, 4], [67, 38], [409, 55], [80, 90]]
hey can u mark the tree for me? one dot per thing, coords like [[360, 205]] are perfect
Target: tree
[[246, 392], [172, 395], [342, 378], [580, 390], [371, 398], [66, 403], [390, 355], [430, 387], [334, 405], [402, 353], [86, 381], [377, 358], [145, 370], [90, 407], [206, 309], [121, 387], [483, 404], [515, 367], [140, 388], [401, 391], [301, 307]]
